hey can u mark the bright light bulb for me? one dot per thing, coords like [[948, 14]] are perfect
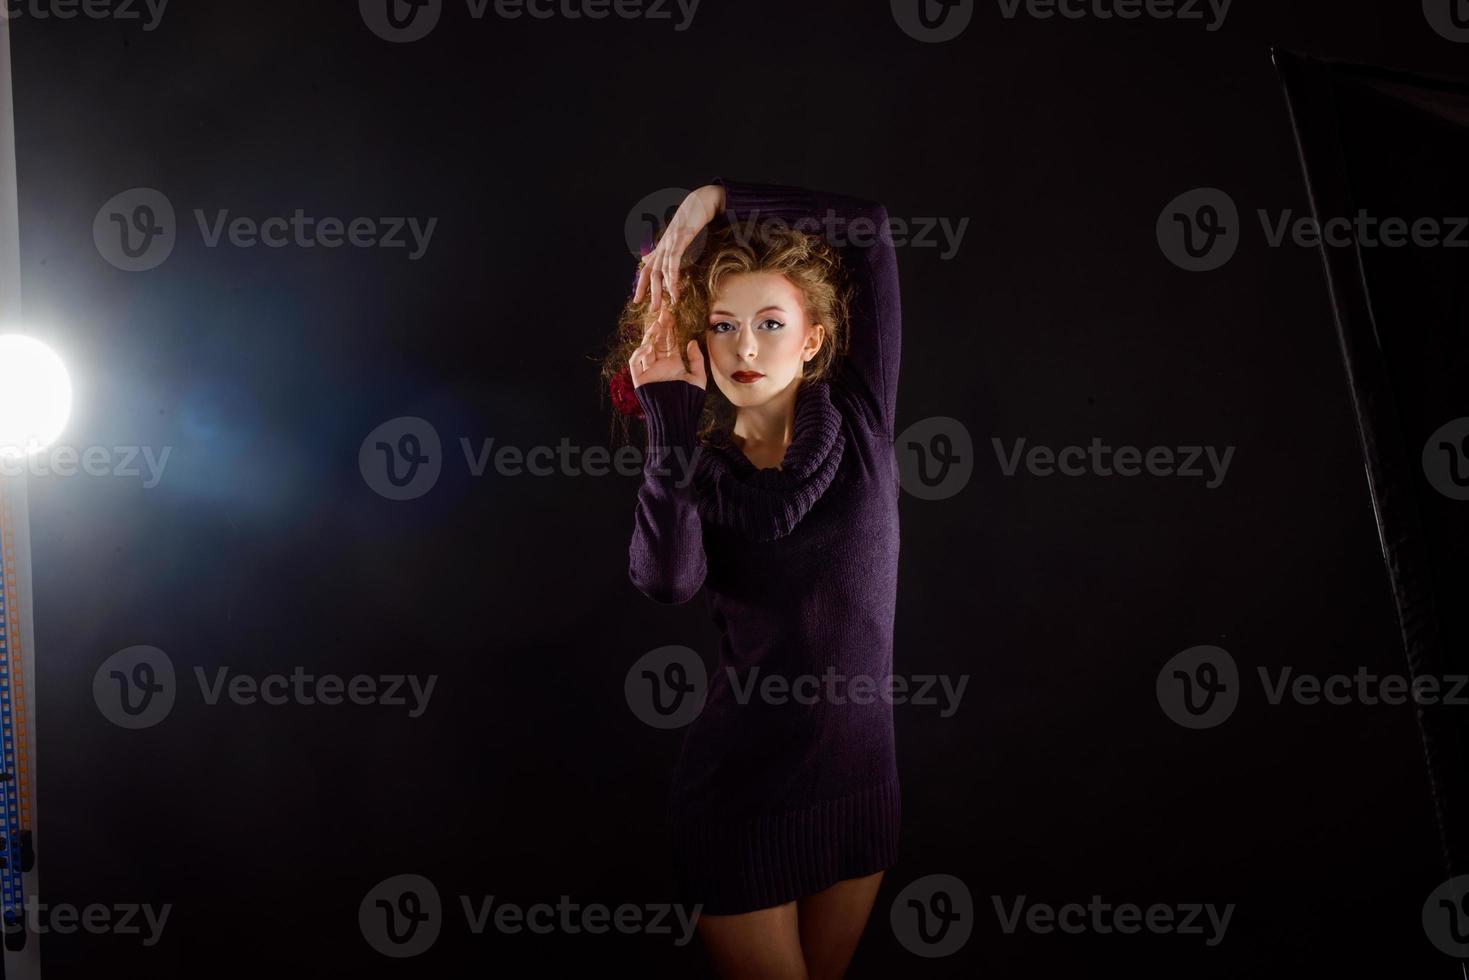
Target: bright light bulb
[[35, 395]]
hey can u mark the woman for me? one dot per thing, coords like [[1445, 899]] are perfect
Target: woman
[[785, 807]]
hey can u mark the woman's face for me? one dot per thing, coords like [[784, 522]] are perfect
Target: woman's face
[[758, 337]]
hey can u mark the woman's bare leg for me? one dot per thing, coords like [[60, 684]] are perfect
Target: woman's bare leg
[[754, 945], [831, 923]]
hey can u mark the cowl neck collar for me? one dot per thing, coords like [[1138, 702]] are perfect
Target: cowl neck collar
[[766, 504]]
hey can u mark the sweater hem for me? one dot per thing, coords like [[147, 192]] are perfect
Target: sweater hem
[[730, 867]]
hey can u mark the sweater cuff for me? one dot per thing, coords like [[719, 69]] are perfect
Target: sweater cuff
[[750, 199], [743, 199], [671, 409]]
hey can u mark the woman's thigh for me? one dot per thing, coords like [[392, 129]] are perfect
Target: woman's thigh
[[759, 944], [831, 923]]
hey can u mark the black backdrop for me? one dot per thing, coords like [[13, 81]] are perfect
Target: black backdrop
[[1059, 319]]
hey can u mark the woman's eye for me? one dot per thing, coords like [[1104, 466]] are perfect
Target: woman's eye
[[777, 323], [716, 327]]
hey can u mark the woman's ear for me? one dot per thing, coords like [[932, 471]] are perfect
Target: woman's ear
[[815, 337]]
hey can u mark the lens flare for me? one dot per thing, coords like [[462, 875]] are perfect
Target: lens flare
[[35, 395]]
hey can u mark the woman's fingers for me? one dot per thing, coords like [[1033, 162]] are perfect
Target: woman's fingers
[[655, 282], [657, 344], [642, 286], [660, 268], [635, 365], [660, 332], [696, 363], [675, 256], [671, 265]]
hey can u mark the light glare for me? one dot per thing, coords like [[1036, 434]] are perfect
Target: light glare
[[35, 395]]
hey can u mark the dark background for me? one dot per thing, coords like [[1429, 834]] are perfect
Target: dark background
[[528, 777]]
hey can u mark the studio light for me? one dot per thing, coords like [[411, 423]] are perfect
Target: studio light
[[35, 395]]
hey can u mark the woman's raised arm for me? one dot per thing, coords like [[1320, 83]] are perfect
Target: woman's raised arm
[[666, 559], [860, 229]]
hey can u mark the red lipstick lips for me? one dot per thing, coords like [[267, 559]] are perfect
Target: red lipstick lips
[[747, 377]]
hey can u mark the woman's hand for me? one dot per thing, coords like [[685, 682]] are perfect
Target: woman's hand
[[660, 266], [657, 360]]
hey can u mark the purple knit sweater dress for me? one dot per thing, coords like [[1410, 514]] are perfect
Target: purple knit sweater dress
[[778, 796]]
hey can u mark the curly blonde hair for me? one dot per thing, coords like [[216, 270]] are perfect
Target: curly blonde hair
[[809, 262]]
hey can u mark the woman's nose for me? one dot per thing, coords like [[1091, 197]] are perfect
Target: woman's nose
[[747, 344]]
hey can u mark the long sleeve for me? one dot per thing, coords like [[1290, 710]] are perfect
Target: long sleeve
[[666, 558], [860, 229]]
